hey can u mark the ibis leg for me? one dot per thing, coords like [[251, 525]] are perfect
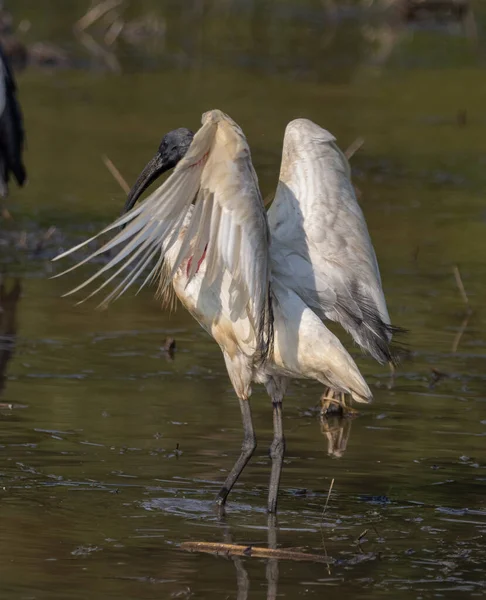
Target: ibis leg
[[347, 411], [277, 451], [247, 449], [328, 399]]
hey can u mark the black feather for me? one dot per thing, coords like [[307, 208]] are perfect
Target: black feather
[[11, 131], [369, 330]]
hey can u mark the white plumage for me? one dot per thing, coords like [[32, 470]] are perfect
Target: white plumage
[[261, 290], [321, 245]]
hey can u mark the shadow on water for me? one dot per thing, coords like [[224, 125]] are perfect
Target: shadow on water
[[116, 456]]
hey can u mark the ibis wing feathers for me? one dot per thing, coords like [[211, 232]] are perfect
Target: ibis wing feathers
[[227, 227], [316, 223]]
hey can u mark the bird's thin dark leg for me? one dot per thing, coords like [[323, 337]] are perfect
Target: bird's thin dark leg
[[277, 451], [247, 449]]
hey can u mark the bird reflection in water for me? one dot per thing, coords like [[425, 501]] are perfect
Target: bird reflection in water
[[337, 430], [9, 300], [271, 571], [336, 417]]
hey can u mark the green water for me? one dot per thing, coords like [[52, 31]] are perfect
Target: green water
[[111, 453]]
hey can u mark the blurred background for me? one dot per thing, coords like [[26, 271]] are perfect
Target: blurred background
[[112, 446]]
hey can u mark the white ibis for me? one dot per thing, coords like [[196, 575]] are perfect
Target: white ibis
[[260, 287]]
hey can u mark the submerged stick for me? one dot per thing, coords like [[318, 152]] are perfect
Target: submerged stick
[[251, 551]]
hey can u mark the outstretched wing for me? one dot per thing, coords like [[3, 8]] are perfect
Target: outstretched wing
[[11, 129], [227, 226], [321, 247]]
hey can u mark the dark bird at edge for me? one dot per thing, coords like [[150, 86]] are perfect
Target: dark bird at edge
[[11, 129]]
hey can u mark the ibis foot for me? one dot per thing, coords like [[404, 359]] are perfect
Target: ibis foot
[[334, 404]]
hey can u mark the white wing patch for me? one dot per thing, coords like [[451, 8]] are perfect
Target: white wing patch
[[321, 247], [228, 226]]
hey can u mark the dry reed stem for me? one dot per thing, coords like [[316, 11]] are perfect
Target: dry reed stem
[[460, 285], [96, 13], [354, 147], [361, 536], [251, 551], [469, 310], [116, 174], [92, 46], [460, 333], [327, 561], [327, 499], [114, 31]]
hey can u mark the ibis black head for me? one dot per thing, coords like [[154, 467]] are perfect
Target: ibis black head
[[172, 149]]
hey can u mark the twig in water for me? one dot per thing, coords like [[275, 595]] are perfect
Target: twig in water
[[460, 333], [361, 536], [469, 310], [460, 285], [322, 532], [116, 174], [327, 499], [256, 551], [354, 147]]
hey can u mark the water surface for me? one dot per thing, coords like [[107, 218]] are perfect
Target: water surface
[[111, 453]]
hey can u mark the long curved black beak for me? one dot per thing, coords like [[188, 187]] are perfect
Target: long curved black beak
[[152, 170]]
